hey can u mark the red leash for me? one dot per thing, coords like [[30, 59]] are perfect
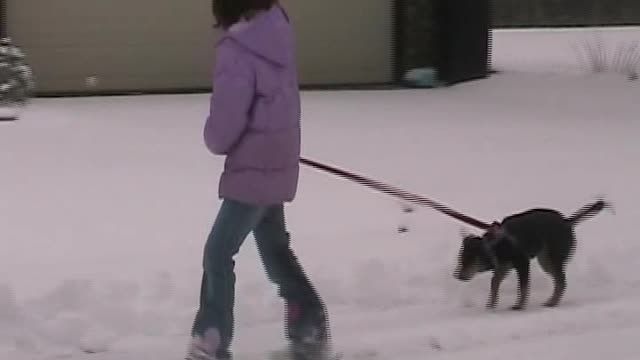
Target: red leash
[[390, 190]]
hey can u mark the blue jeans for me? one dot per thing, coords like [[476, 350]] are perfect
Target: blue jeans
[[233, 224]]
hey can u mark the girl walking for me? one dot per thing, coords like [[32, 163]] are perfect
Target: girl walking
[[254, 121]]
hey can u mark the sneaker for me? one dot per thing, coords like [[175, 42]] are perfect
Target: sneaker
[[307, 331], [207, 347], [306, 323]]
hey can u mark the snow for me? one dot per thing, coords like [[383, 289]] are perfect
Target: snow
[[106, 203], [564, 50], [7, 114]]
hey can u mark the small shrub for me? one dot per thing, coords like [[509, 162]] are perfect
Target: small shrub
[[625, 59], [16, 78]]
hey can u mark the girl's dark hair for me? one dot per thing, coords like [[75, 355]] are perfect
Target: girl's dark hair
[[228, 12]]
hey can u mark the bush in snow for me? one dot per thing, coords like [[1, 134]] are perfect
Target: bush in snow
[[16, 78], [625, 59]]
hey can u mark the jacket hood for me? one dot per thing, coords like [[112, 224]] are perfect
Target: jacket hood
[[265, 35]]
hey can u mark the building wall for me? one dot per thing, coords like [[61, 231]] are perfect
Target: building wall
[[145, 45], [141, 45], [420, 32]]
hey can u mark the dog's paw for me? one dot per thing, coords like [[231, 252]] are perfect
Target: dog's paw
[[550, 304], [518, 307]]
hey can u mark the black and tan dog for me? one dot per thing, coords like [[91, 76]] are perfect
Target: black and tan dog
[[544, 234]]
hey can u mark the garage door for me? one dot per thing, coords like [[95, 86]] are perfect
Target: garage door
[[343, 41], [125, 44], [138, 45]]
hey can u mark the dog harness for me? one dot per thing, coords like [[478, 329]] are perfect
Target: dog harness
[[498, 232]]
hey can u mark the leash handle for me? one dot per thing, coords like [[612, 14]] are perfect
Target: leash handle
[[393, 191]]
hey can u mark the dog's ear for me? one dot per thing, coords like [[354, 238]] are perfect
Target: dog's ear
[[467, 236], [494, 234]]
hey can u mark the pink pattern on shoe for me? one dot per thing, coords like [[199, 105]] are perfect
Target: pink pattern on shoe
[[205, 347]]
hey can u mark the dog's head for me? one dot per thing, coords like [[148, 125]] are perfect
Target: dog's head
[[474, 258]]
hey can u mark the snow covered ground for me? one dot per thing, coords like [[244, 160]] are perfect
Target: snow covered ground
[[565, 50], [105, 204]]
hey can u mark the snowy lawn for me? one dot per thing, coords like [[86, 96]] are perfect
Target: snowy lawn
[[105, 204]]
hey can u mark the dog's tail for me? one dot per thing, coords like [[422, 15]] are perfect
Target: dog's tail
[[588, 211]]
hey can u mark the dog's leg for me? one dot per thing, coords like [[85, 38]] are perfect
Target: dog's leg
[[545, 261], [559, 286], [498, 276], [522, 267], [557, 272]]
